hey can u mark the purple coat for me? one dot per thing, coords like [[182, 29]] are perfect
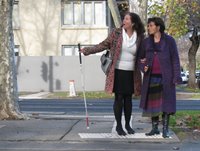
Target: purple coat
[[170, 70]]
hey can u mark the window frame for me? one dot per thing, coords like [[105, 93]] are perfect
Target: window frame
[[16, 50], [16, 17], [83, 25]]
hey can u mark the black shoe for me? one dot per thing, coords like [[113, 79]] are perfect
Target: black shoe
[[129, 130], [120, 131], [153, 132]]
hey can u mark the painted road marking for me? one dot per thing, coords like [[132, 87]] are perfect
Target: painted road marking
[[113, 135]]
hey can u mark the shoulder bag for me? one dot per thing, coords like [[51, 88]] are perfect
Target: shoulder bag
[[106, 62], [106, 59]]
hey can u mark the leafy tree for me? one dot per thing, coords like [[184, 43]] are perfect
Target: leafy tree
[[181, 16], [173, 13]]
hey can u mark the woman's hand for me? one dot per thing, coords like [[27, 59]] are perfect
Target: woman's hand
[[82, 50], [146, 68], [143, 61]]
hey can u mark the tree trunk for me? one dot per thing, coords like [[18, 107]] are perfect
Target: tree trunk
[[139, 7], [8, 81], [192, 58], [168, 12]]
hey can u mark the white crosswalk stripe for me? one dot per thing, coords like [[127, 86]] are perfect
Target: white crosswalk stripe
[[114, 135]]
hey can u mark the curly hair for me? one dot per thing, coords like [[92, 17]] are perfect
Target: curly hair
[[138, 25]]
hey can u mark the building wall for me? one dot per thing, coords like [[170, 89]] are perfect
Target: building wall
[[41, 33], [43, 73]]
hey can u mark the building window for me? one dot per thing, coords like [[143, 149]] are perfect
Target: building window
[[84, 13], [16, 50], [69, 50], [16, 22], [72, 50]]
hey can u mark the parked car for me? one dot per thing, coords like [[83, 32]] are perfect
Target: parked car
[[197, 74], [184, 77], [187, 73]]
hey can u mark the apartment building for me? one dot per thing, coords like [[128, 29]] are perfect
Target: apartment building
[[55, 27], [46, 34]]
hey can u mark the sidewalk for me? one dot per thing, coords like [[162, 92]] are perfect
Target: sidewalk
[[36, 95], [186, 96], [74, 129]]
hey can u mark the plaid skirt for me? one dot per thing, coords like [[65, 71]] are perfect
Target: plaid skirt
[[154, 98]]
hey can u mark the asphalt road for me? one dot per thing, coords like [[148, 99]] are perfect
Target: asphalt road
[[76, 107]]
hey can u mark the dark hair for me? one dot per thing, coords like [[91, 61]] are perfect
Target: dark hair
[[138, 25], [158, 22]]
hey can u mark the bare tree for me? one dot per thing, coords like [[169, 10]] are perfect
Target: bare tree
[[8, 82], [140, 7], [195, 38]]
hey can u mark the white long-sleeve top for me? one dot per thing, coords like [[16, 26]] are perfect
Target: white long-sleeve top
[[127, 57]]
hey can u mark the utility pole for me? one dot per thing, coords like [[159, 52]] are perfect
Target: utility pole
[[112, 4]]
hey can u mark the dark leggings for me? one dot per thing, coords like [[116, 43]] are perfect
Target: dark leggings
[[122, 101]]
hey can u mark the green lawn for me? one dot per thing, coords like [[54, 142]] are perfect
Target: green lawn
[[89, 95], [186, 89], [186, 119], [186, 125]]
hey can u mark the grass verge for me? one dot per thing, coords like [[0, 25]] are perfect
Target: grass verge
[[186, 119], [186, 89], [186, 124], [89, 95]]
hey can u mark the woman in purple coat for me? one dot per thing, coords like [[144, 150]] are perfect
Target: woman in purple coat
[[161, 67]]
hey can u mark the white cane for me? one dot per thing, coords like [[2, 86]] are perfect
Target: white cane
[[83, 87]]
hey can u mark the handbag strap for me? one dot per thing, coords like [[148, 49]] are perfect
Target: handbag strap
[[107, 53]]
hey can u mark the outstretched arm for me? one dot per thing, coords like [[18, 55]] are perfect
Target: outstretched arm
[[106, 44]]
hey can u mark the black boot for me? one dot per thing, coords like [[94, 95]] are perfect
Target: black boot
[[154, 130], [165, 120], [117, 107], [128, 112]]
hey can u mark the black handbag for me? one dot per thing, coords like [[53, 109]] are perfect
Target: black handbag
[[106, 62]]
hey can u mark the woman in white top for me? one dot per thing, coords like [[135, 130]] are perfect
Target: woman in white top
[[124, 76]]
